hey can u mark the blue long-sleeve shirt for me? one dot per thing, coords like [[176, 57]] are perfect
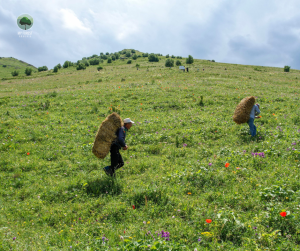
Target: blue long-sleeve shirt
[[254, 112], [121, 135]]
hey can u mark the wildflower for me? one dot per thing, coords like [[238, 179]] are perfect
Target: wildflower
[[173, 216], [14, 238], [283, 214], [184, 145], [238, 168], [148, 222], [189, 193], [133, 206], [294, 143], [199, 239], [227, 165], [254, 227], [208, 220], [144, 222], [28, 153], [122, 238], [209, 164]]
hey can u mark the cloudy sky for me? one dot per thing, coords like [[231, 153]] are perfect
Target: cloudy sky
[[253, 32]]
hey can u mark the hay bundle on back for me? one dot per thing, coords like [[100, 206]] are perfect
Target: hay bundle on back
[[106, 135], [242, 111]]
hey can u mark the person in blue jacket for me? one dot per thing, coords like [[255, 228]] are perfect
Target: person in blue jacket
[[115, 156], [253, 114]]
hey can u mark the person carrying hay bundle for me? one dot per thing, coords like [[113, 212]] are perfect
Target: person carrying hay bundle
[[246, 112], [115, 156]]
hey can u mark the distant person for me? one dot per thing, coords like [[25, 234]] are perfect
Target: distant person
[[115, 156], [253, 115]]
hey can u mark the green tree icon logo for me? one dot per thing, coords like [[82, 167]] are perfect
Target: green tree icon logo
[[25, 22]]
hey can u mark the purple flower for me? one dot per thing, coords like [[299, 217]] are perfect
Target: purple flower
[[209, 164], [294, 143], [244, 151], [199, 239], [103, 238], [14, 238], [254, 227], [184, 145]]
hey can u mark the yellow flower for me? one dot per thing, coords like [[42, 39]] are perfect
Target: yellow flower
[[148, 222], [189, 193]]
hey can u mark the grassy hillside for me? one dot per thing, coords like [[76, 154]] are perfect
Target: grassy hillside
[[7, 65], [54, 194]]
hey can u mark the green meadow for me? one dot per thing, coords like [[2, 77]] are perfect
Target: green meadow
[[54, 194]]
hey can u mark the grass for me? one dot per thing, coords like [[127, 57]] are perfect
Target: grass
[[54, 194]]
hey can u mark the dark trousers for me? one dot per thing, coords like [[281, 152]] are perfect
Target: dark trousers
[[116, 158]]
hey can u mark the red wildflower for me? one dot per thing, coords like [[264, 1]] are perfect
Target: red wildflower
[[283, 214], [133, 206], [28, 153], [227, 165], [208, 220]]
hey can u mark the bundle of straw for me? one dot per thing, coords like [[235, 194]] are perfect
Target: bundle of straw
[[106, 135], [242, 111]]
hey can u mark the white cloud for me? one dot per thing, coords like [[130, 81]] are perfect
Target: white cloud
[[72, 22]]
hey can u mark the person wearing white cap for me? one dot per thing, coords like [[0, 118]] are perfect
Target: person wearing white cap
[[115, 156], [253, 114]]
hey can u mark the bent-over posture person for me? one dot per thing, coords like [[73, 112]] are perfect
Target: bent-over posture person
[[253, 114], [115, 156]]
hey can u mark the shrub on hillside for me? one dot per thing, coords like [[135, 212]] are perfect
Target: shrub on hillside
[[172, 56], [59, 66], [107, 53], [28, 71], [190, 60], [109, 60], [153, 58], [113, 57], [132, 51], [43, 68], [178, 63], [137, 65], [99, 68], [4, 65], [86, 63], [128, 54], [55, 69], [286, 68], [81, 66], [129, 61], [104, 57], [15, 73], [145, 55], [167, 56], [117, 55], [169, 62], [94, 61], [134, 57], [66, 64]]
